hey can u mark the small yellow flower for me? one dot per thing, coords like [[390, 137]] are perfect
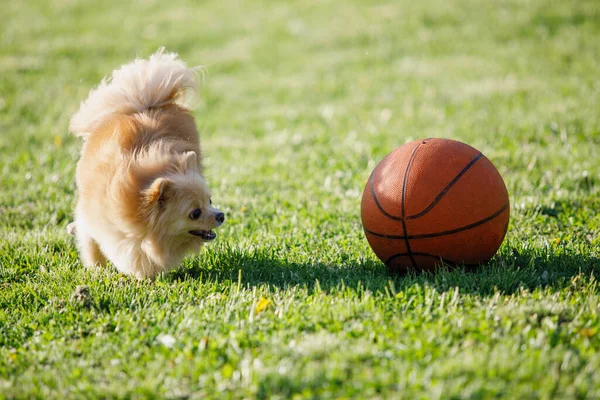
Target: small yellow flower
[[58, 141], [588, 332], [262, 305]]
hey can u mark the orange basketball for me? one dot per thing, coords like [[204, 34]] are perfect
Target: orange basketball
[[434, 200]]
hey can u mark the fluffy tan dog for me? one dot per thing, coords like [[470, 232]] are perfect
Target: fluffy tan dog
[[142, 201]]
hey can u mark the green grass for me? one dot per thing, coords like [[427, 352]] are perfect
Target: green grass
[[302, 99]]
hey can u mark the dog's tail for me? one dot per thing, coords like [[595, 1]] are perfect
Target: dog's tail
[[142, 84]]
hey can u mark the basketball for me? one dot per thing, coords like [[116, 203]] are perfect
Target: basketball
[[433, 202]]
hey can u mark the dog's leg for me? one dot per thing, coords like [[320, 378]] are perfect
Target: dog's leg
[[89, 251]]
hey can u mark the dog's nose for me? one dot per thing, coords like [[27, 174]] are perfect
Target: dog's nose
[[220, 217]]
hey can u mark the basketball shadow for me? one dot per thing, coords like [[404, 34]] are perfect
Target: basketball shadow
[[511, 271], [514, 270]]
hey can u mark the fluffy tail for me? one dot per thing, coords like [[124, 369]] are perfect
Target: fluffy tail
[[142, 84]]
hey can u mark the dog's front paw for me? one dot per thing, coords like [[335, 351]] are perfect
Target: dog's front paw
[[71, 228]]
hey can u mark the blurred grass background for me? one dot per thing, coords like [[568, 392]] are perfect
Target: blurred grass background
[[300, 101]]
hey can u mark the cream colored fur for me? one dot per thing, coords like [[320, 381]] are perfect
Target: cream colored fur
[[139, 177]]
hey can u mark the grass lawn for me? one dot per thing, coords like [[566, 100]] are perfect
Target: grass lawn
[[300, 102]]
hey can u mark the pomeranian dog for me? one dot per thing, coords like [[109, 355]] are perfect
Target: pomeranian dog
[[142, 202]]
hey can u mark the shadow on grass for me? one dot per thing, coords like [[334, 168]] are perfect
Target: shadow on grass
[[508, 272]]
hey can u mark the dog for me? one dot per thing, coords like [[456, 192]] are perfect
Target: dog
[[142, 200]]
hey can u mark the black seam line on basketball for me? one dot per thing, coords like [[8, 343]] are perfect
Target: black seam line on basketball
[[390, 216], [447, 188], [377, 201], [392, 258], [406, 242], [437, 234]]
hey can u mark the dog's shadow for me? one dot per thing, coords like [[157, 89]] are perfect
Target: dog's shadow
[[510, 271]]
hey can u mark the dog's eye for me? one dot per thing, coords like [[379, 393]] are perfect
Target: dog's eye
[[196, 214]]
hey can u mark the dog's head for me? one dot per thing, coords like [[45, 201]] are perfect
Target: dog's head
[[179, 205]]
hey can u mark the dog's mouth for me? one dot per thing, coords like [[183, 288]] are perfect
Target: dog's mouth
[[205, 235]]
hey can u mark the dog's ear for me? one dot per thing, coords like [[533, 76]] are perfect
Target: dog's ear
[[157, 191], [190, 160]]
